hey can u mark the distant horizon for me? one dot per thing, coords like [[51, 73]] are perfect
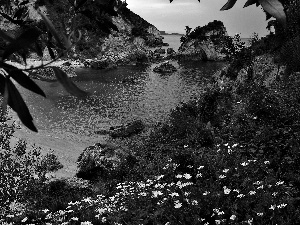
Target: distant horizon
[[173, 17]]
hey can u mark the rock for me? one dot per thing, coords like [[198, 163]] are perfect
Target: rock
[[160, 51], [165, 44], [165, 68], [130, 80], [204, 43], [102, 161], [127, 130], [102, 64], [170, 51]]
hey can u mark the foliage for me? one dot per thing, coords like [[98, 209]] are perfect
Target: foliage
[[21, 170]]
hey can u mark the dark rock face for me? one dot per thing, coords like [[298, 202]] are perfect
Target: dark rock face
[[101, 161], [165, 68]]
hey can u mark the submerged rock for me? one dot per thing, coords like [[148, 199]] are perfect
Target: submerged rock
[[127, 130], [165, 68]]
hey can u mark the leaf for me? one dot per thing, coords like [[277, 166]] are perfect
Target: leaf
[[274, 8], [26, 82], [51, 28], [250, 2], [5, 98], [228, 5], [27, 38], [18, 14], [52, 55], [70, 87], [16, 102]]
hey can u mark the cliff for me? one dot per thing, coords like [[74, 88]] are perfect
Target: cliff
[[204, 43], [109, 39]]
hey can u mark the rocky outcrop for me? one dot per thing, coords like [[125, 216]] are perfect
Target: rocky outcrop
[[103, 161], [204, 43], [165, 67]]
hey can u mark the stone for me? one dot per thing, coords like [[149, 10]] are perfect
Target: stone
[[101, 161], [165, 67], [170, 51], [127, 130], [160, 51]]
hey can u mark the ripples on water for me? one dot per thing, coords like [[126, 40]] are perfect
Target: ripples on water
[[150, 97]]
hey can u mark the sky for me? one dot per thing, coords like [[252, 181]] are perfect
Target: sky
[[173, 17]]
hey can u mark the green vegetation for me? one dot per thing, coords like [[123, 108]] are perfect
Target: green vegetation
[[229, 157]]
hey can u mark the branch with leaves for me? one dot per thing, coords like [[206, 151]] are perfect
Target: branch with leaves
[[28, 41]]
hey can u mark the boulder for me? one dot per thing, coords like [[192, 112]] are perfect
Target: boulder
[[165, 44], [170, 51], [127, 130], [102, 161], [160, 51], [165, 67]]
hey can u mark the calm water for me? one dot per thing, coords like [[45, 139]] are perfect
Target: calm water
[[150, 97]]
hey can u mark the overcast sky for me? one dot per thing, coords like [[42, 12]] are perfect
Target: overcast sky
[[173, 17]]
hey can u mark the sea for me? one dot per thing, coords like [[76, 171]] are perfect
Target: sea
[[68, 124]]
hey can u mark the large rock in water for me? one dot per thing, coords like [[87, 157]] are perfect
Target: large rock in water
[[165, 68], [127, 130], [204, 43], [102, 161]]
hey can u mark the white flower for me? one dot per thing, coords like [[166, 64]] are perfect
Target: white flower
[[252, 192], [199, 175], [260, 187], [179, 176], [159, 177], [233, 217], [103, 220], [206, 193], [156, 193], [222, 176], [194, 202], [174, 194], [245, 164], [185, 146], [240, 196], [281, 205], [267, 162], [260, 214], [74, 218], [279, 183], [45, 210], [272, 207], [187, 176], [86, 223], [226, 190], [225, 170], [24, 220], [177, 204]]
